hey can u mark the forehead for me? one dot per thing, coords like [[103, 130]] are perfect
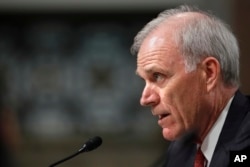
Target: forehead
[[162, 36], [160, 47], [158, 54], [160, 44], [157, 42]]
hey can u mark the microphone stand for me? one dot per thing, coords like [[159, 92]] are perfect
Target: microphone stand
[[90, 145], [65, 159]]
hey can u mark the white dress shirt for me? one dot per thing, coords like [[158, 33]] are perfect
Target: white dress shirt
[[210, 141]]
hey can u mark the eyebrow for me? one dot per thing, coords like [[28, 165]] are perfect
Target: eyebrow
[[150, 69]]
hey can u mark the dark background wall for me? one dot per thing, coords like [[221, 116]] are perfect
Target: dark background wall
[[241, 24]]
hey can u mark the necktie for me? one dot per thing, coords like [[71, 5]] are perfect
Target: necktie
[[199, 158]]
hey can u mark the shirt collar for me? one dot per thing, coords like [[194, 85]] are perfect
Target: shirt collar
[[210, 141]]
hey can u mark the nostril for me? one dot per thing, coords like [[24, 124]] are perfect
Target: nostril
[[148, 101], [143, 101], [149, 97]]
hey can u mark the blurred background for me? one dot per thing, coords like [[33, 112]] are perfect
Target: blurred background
[[66, 75]]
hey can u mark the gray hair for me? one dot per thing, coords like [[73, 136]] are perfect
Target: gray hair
[[200, 37]]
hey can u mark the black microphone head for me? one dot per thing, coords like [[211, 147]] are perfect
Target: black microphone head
[[91, 144]]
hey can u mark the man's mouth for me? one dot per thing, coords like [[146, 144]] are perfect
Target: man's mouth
[[162, 116], [162, 119]]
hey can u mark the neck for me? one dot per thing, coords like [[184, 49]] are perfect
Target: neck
[[217, 100]]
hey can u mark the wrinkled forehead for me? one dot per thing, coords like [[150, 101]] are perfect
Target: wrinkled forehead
[[158, 40], [154, 40]]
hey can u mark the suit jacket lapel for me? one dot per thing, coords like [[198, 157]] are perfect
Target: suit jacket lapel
[[229, 136], [181, 152]]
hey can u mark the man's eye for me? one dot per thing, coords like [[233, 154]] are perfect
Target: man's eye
[[157, 76]]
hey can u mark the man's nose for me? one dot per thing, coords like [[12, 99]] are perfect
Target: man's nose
[[149, 97]]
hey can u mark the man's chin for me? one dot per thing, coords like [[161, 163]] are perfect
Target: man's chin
[[169, 134], [172, 135]]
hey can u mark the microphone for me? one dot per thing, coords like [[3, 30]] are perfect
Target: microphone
[[90, 145]]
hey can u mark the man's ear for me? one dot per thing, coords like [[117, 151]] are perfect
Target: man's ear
[[211, 67]]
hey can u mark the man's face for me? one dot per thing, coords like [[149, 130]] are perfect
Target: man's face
[[175, 96]]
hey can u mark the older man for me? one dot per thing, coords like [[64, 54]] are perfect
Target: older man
[[189, 61]]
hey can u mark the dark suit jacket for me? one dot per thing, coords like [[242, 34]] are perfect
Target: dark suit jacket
[[235, 136]]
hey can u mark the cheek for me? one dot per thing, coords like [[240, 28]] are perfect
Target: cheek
[[182, 100], [187, 103]]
